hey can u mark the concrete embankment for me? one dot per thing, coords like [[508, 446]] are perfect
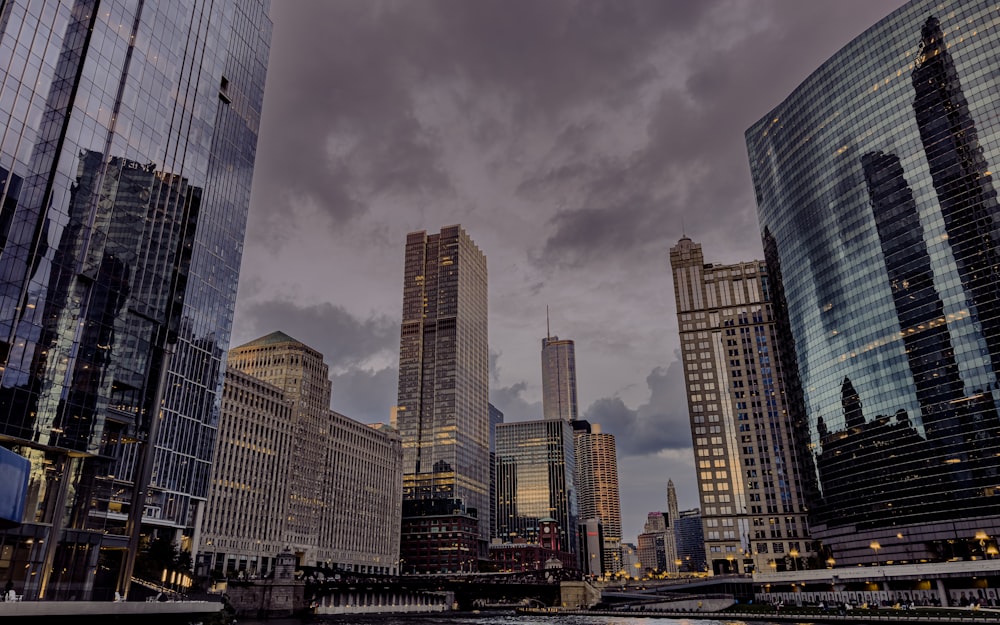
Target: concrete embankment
[[928, 617], [104, 611]]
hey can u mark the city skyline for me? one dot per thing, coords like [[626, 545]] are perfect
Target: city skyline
[[493, 126]]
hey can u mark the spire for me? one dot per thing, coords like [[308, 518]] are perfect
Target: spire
[[548, 332]]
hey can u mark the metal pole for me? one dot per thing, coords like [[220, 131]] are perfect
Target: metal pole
[[144, 470]]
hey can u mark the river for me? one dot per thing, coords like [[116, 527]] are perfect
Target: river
[[496, 619]]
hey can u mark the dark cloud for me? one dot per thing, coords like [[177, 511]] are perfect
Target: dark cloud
[[511, 402], [658, 425], [693, 168], [344, 340], [365, 395]]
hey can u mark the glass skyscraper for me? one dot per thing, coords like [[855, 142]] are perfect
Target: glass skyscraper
[[442, 411], [536, 480], [881, 230], [126, 154]]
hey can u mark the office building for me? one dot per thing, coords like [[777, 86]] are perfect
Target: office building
[[558, 378], [535, 481], [597, 489], [243, 530], [591, 548], [657, 546], [126, 155], [343, 507], [752, 508], [439, 535], [630, 561], [689, 535], [442, 411], [496, 418], [879, 216]]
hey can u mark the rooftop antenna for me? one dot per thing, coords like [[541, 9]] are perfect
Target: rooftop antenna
[[683, 229], [548, 332]]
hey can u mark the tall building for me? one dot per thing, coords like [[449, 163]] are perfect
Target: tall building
[[597, 489], [752, 507], [535, 481], [442, 411], [343, 507], [657, 545], [879, 216], [558, 378], [673, 512], [690, 536], [496, 418], [126, 156], [304, 379]]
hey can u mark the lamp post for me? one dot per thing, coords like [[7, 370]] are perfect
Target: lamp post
[[875, 546], [794, 553]]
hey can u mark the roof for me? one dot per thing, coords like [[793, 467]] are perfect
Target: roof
[[274, 338]]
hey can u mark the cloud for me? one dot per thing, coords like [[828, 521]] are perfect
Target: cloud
[[345, 341], [365, 395], [511, 402], [658, 425]]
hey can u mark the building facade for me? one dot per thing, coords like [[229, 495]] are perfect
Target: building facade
[[126, 157], [535, 481], [243, 529], [591, 548], [438, 535], [496, 418], [752, 507], [442, 410], [879, 215], [597, 489], [690, 536], [343, 508], [559, 379], [657, 546]]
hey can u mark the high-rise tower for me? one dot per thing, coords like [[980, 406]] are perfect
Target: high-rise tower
[[597, 489], [126, 156], [751, 505], [673, 512], [442, 411], [558, 378], [878, 209]]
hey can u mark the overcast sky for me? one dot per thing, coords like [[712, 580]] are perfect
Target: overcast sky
[[574, 141]]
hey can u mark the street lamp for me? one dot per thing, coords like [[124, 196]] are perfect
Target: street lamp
[[875, 547], [795, 557]]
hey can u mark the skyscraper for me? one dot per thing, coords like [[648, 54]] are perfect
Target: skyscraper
[[597, 488], [673, 512], [752, 507], [125, 166], [690, 536], [535, 481], [496, 418], [881, 234], [558, 378], [442, 410]]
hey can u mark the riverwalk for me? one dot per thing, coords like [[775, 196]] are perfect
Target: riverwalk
[[928, 616]]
